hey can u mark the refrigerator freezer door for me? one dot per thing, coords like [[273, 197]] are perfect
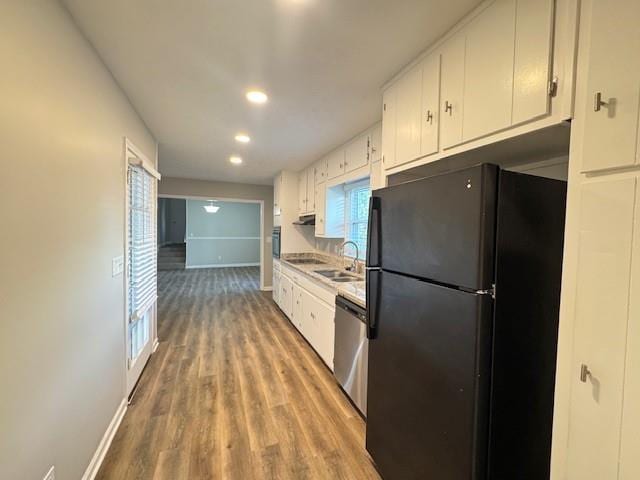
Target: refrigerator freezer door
[[428, 381], [440, 228]]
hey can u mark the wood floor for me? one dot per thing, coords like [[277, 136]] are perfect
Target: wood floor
[[234, 392]]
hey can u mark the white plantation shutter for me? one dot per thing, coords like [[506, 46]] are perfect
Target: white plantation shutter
[[142, 262]]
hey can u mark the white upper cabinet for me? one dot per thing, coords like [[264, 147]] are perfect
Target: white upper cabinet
[[488, 72], [389, 127], [430, 115], [408, 116], [311, 189], [451, 91], [532, 67], [357, 153], [321, 208], [611, 123], [321, 170], [335, 164], [375, 147], [302, 192], [277, 185]]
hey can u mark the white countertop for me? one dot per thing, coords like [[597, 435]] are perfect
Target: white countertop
[[354, 291]]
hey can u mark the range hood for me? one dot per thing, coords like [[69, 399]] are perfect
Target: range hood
[[306, 220]]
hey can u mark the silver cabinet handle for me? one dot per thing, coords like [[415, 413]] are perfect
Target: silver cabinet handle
[[429, 117], [584, 373], [598, 103], [448, 107]]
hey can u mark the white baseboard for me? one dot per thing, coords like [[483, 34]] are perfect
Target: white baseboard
[[267, 289], [226, 265], [156, 344], [95, 463]]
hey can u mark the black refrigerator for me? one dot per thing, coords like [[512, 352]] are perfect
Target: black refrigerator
[[463, 294]]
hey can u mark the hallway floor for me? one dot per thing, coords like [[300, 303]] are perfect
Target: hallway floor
[[234, 392]]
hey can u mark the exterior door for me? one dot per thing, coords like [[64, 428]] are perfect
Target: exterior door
[[141, 268]]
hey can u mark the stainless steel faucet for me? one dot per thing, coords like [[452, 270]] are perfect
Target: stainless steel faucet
[[354, 264]]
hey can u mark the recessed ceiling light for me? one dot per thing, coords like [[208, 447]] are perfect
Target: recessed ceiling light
[[235, 160], [243, 138], [256, 96]]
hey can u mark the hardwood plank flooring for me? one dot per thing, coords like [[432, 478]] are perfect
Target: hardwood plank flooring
[[234, 392]]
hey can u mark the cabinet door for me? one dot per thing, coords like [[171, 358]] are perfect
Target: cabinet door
[[357, 153], [430, 105], [375, 147], [302, 192], [286, 296], [630, 440], [389, 127], [611, 132], [321, 170], [277, 183], [452, 89], [532, 67], [376, 179], [321, 206], [335, 165], [297, 313], [276, 287], [601, 315], [488, 85], [311, 189], [408, 116], [323, 318]]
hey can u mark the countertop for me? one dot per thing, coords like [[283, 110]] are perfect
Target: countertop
[[354, 291]]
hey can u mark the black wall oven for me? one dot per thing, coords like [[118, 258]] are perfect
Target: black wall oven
[[276, 242]]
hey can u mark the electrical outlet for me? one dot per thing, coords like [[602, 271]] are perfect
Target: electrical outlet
[[51, 474], [117, 266]]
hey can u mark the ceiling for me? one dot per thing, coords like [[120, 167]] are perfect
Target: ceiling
[[186, 65]]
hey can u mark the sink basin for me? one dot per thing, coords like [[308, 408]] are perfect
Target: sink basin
[[337, 275]]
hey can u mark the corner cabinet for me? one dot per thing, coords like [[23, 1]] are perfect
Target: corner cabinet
[[492, 74]]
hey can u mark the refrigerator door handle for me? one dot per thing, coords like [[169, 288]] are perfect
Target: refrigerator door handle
[[373, 233], [373, 302]]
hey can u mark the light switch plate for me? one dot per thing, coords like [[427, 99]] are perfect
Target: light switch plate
[[117, 266]]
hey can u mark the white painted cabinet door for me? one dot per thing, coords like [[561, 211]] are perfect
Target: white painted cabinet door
[[286, 296], [335, 164], [321, 170], [430, 105], [324, 334], [276, 287], [488, 73], [452, 90], [408, 116], [321, 207], [297, 312], [302, 192], [357, 153], [311, 189], [611, 133], [532, 67], [375, 147], [277, 183], [630, 439], [376, 179], [389, 127], [601, 315]]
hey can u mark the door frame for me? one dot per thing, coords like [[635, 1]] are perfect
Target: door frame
[[235, 200], [130, 149]]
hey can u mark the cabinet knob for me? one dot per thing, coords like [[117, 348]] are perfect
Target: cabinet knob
[[448, 107], [598, 103]]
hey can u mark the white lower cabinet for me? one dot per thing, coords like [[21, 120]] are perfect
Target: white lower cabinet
[[276, 286], [310, 314]]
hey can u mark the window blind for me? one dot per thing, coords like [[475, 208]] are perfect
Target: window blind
[[142, 266], [358, 215]]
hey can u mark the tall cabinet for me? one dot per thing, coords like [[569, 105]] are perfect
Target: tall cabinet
[[598, 383]]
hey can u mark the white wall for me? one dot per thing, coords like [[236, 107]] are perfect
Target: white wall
[[230, 236], [62, 191]]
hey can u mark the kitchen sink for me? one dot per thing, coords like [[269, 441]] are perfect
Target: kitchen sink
[[337, 275]]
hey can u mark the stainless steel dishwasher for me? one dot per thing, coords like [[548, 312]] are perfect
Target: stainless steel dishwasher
[[351, 353]]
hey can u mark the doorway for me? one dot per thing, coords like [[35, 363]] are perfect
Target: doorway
[[172, 224]]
